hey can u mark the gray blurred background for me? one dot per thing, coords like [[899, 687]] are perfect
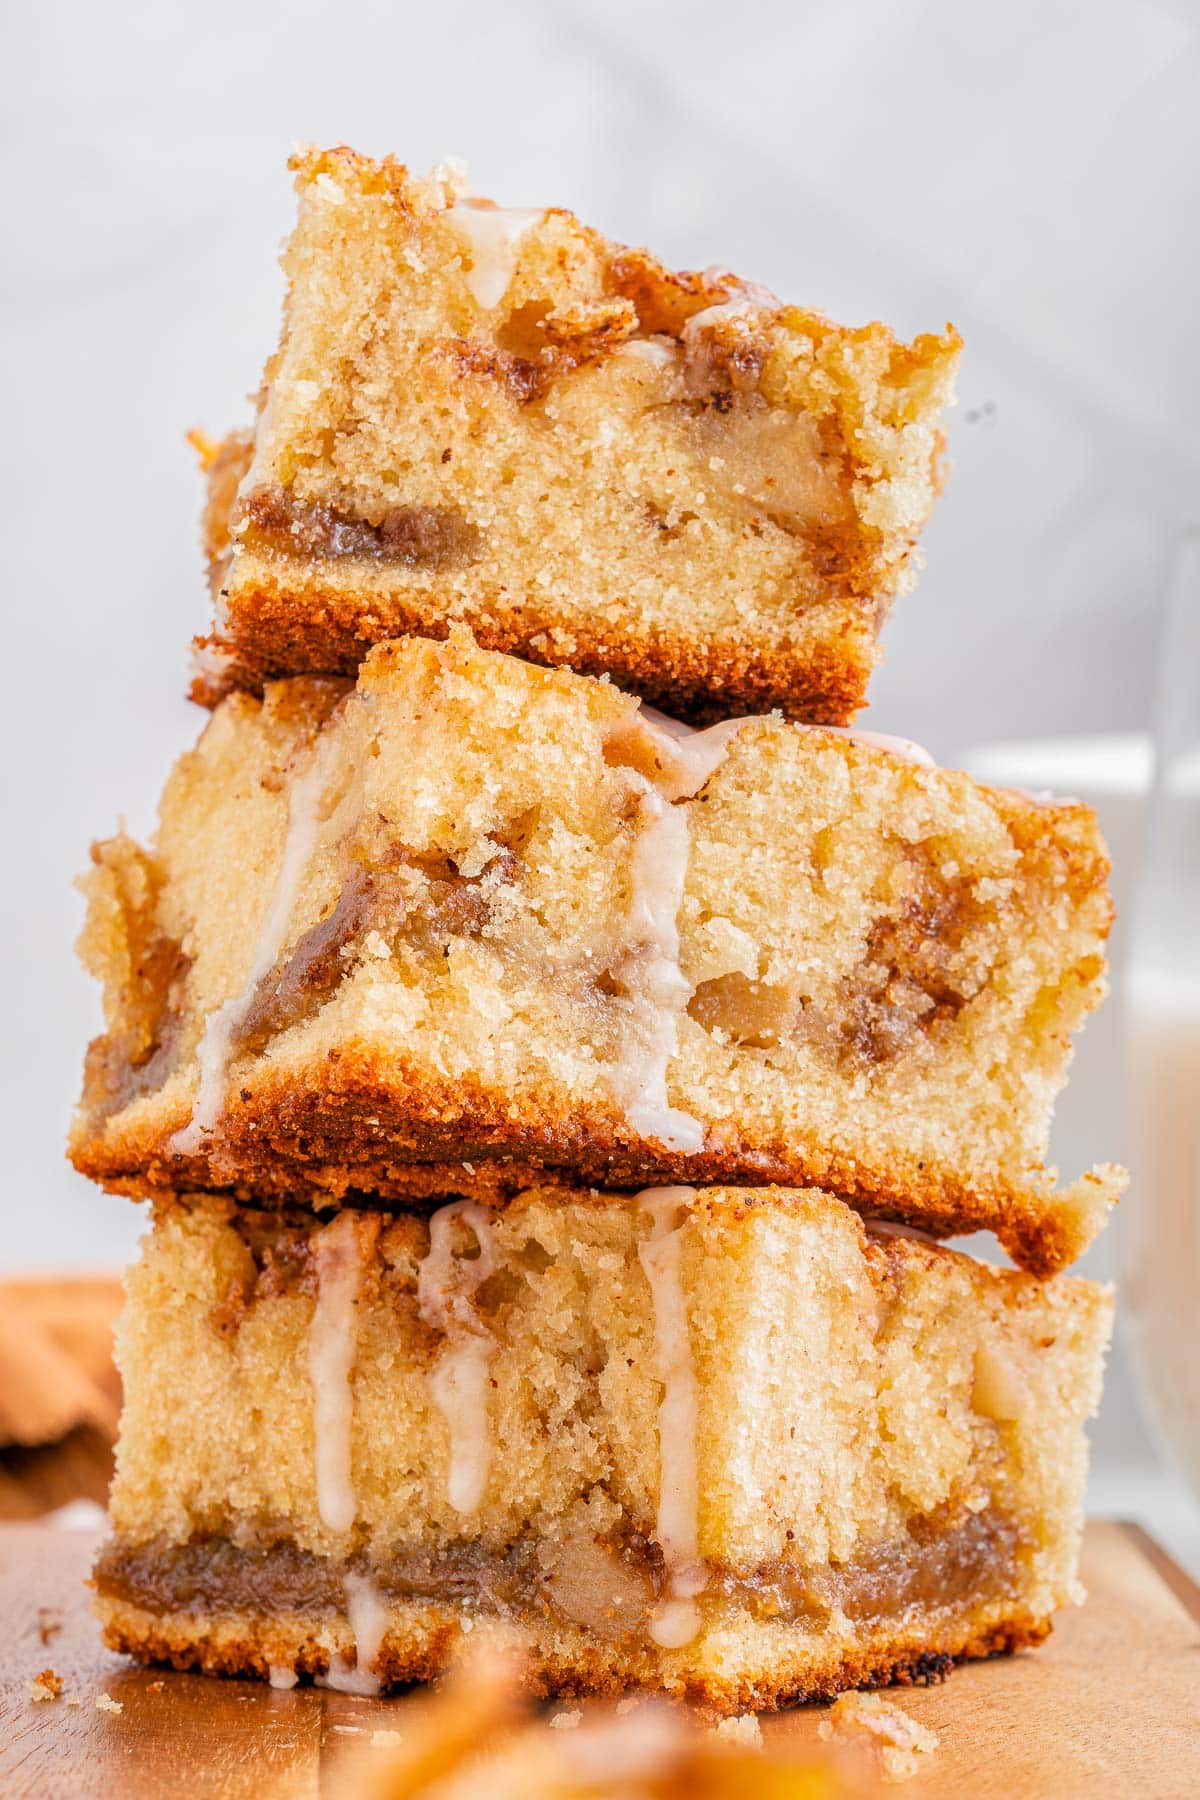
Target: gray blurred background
[[1029, 170]]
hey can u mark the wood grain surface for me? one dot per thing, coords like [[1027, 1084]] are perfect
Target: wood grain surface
[[1109, 1707]]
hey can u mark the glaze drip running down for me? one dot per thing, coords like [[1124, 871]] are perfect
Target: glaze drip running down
[[446, 1285], [659, 872], [676, 1619], [682, 761], [493, 233], [367, 1612], [686, 758], [331, 1348]]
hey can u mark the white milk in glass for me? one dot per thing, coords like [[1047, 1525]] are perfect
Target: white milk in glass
[[1161, 1217]]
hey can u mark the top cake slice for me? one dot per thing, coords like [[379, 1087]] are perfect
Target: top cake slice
[[473, 920], [501, 418]]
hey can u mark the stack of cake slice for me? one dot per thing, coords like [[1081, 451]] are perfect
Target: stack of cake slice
[[550, 1108]]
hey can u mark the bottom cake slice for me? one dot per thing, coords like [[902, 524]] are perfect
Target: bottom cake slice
[[730, 1444]]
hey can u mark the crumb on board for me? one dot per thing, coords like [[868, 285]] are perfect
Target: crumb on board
[[49, 1622], [74, 1699], [348, 1730], [565, 1720], [155, 1687], [383, 1736], [46, 1686], [898, 1740], [106, 1703], [744, 1729]]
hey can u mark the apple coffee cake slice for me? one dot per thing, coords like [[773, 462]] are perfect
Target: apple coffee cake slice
[[474, 920], [501, 418], [730, 1444]]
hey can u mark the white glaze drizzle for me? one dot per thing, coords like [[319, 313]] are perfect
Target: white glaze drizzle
[[331, 1349], [685, 758], [493, 233], [330, 1361], [743, 298], [280, 1676], [367, 1612], [304, 831], [459, 1384], [657, 878], [901, 747], [683, 761], [681, 741], [676, 1619]]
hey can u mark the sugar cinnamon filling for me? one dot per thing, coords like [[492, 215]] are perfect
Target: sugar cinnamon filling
[[805, 497], [421, 900], [610, 1586], [307, 822], [275, 521], [922, 964]]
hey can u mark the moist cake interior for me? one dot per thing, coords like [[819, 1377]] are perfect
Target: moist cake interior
[[476, 919]]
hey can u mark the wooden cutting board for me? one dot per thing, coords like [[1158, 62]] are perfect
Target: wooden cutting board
[[1109, 1708]]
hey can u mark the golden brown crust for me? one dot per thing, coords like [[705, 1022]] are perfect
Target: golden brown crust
[[283, 623], [389, 1133], [423, 1639]]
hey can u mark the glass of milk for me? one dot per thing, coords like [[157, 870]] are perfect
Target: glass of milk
[[1160, 1217]]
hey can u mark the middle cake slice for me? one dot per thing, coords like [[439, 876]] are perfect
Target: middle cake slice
[[472, 920]]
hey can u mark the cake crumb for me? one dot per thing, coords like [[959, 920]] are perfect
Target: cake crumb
[[49, 1622], [744, 1729], [897, 1739], [349, 1730], [383, 1736], [106, 1703], [155, 1687], [74, 1699], [565, 1721], [46, 1686]]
